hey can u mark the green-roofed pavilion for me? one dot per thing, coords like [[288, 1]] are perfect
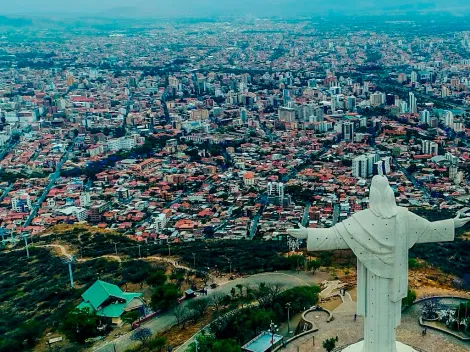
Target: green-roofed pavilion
[[108, 301]]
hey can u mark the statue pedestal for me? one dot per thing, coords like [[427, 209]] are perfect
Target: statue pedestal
[[358, 347]]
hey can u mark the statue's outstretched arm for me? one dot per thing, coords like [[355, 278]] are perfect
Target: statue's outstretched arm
[[320, 239], [424, 231]]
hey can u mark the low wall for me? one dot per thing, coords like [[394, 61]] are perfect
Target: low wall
[[423, 299], [445, 331], [423, 322]]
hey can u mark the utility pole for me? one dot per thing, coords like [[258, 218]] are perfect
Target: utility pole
[[230, 263], [194, 260], [169, 250], [115, 248], [25, 236], [69, 263], [140, 256], [288, 317]]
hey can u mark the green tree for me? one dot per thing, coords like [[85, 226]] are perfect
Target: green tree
[[218, 300], [329, 344], [413, 264], [30, 332], [136, 271], [165, 296], [199, 305], [9, 345], [130, 317], [157, 344], [243, 324], [181, 314], [80, 324], [178, 277], [156, 278], [409, 299], [325, 258], [314, 265], [300, 298], [212, 344]]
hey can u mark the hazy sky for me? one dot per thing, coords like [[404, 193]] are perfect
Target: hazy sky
[[175, 8]]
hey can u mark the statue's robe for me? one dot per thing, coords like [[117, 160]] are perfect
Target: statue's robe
[[381, 246]]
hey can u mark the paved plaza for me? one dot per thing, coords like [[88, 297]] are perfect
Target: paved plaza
[[350, 331]]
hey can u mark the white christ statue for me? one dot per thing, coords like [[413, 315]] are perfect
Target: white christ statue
[[380, 237]]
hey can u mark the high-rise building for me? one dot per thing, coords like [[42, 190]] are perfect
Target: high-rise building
[[453, 170], [413, 105], [199, 114], [430, 147], [359, 167], [445, 92], [347, 130], [334, 104], [21, 203], [276, 194], [390, 99], [363, 166], [383, 166], [352, 103], [425, 117], [414, 77], [377, 99], [286, 114], [452, 158], [371, 160], [449, 119], [85, 199], [243, 115]]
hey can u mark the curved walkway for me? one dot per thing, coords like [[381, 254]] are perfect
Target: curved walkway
[[350, 331]]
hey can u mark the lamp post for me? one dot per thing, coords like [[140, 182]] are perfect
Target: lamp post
[[272, 329], [25, 237], [288, 317], [69, 262]]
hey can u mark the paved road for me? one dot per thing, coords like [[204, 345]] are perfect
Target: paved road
[[335, 214], [166, 320], [305, 216], [52, 178], [6, 191]]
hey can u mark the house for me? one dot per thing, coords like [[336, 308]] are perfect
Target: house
[[109, 302]]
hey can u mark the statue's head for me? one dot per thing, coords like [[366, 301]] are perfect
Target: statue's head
[[382, 198]]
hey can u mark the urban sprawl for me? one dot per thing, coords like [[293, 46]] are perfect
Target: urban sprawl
[[207, 130]]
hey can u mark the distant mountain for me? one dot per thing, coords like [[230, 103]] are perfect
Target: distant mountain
[[14, 22], [285, 8], [209, 8]]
